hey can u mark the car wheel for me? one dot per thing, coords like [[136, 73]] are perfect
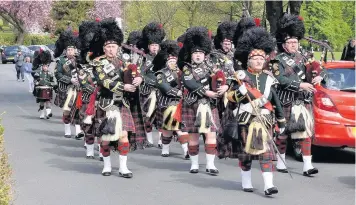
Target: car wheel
[[4, 62]]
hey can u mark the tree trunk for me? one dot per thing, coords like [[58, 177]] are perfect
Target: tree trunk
[[20, 37], [274, 10], [295, 6]]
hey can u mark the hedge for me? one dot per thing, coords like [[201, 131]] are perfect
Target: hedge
[[5, 172], [30, 39]]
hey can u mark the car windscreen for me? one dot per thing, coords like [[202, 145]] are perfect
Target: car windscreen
[[11, 50], [342, 79]]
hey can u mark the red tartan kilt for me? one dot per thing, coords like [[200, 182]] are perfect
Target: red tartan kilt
[[137, 139], [243, 156], [189, 117], [127, 120], [159, 117]]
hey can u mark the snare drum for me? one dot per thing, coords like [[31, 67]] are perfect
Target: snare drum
[[44, 92]]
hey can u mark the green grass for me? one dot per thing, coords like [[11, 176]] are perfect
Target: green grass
[[337, 55], [5, 171]]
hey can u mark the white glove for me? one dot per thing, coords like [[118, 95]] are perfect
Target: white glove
[[74, 81], [241, 74], [243, 89], [281, 130]]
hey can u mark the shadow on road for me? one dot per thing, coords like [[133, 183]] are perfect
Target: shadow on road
[[348, 180], [80, 167], [61, 142], [198, 180], [333, 155], [58, 151], [164, 163], [49, 133]]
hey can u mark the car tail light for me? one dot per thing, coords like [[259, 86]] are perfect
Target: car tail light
[[324, 102]]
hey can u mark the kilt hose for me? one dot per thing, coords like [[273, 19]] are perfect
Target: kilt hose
[[281, 141], [88, 129]]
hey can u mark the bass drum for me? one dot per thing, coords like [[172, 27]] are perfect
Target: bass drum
[[44, 92]]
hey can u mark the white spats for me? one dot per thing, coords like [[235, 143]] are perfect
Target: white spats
[[107, 164], [246, 179], [100, 154], [77, 129], [210, 161], [90, 150], [185, 148], [280, 164], [307, 163], [195, 162], [42, 114], [67, 130], [123, 165], [268, 179], [159, 139], [149, 137], [48, 112], [165, 149]]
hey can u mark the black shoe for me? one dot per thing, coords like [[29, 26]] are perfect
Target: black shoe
[[271, 191], [90, 157], [213, 172], [310, 172], [247, 189], [165, 155], [50, 115], [67, 136], [23, 80], [187, 156], [101, 159], [194, 171], [282, 170], [127, 175], [79, 136], [106, 174]]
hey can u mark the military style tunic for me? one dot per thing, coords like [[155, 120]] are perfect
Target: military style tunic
[[43, 79]]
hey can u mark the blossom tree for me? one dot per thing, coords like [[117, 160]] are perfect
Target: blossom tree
[[106, 9], [26, 16]]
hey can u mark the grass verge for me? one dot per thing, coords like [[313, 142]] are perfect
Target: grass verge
[[5, 171]]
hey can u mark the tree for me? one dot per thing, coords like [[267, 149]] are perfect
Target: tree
[[105, 9], [71, 13], [274, 10], [25, 16], [325, 21]]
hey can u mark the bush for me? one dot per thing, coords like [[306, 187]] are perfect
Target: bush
[[30, 39], [5, 172]]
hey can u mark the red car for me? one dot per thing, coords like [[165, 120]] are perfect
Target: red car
[[334, 108]]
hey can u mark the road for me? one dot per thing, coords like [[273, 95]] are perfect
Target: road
[[49, 169]]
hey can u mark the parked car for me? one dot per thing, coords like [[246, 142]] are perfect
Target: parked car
[[34, 48], [334, 108], [52, 47], [9, 53]]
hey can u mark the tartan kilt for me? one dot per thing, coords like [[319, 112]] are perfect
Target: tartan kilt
[[189, 117], [227, 148], [137, 139], [74, 115], [98, 119], [148, 121], [127, 119], [60, 98], [240, 150], [159, 117]]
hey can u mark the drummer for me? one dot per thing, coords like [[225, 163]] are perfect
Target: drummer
[[44, 84]]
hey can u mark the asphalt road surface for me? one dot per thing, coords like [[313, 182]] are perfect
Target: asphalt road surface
[[49, 169]]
